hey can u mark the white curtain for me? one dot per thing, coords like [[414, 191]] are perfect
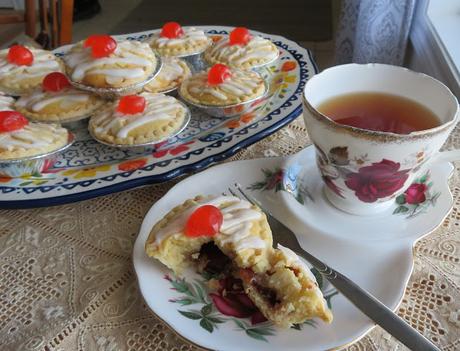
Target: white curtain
[[373, 31]]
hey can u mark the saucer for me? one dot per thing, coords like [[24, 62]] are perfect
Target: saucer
[[374, 251]]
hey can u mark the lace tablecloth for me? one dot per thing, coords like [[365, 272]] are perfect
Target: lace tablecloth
[[67, 281]]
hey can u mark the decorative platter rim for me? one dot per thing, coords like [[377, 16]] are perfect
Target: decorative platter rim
[[27, 196]]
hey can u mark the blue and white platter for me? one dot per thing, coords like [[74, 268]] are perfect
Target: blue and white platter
[[88, 169]]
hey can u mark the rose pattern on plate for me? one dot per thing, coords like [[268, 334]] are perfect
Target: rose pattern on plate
[[280, 179], [218, 301], [417, 198]]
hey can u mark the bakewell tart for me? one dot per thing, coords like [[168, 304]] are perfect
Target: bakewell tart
[[175, 40], [57, 101], [102, 62], [6, 102], [229, 239], [139, 119], [20, 138], [221, 85], [22, 68], [242, 50], [172, 73], [244, 235]]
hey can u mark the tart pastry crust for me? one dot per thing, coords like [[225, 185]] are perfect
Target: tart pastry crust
[[19, 80], [240, 87], [193, 41], [162, 117], [132, 62], [258, 51], [172, 73], [68, 104], [32, 140]]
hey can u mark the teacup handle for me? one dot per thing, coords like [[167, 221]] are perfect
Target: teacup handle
[[447, 156]]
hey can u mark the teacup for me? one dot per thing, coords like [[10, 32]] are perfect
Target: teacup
[[365, 170]]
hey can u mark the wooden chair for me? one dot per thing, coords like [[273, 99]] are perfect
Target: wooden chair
[[55, 21]]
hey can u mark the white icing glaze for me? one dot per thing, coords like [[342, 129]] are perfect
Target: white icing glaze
[[158, 107], [137, 55], [39, 99], [44, 62], [257, 48], [170, 71], [190, 35], [239, 84], [6, 103], [236, 226], [31, 136]]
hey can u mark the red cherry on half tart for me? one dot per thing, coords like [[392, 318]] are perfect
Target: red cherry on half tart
[[55, 81], [218, 74], [11, 121], [171, 30], [131, 104], [239, 36], [20, 55], [204, 221], [102, 45]]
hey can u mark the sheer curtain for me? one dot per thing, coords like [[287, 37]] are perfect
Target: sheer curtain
[[373, 31]]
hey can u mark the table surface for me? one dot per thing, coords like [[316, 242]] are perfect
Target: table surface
[[67, 280]]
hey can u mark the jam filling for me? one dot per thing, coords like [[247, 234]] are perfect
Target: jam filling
[[213, 261]]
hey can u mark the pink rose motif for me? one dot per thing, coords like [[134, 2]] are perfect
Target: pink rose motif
[[231, 300], [379, 180], [415, 194]]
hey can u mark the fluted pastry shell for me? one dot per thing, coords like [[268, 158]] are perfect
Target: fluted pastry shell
[[68, 104], [162, 117], [193, 41], [31, 140], [132, 62], [241, 86], [257, 52]]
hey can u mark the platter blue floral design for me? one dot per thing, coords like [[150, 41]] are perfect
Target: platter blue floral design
[[89, 169]]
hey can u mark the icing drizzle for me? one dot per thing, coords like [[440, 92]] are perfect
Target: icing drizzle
[[191, 35], [236, 228], [158, 107], [44, 63], [39, 99], [31, 136], [6, 102], [136, 57], [257, 48]]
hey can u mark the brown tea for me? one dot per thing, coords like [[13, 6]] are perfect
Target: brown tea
[[379, 112]]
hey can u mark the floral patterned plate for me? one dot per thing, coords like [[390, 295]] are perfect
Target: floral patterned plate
[[292, 189], [89, 169]]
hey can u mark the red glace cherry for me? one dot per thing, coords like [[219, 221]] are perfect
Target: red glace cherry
[[204, 221], [171, 30], [218, 73], [20, 55], [102, 45], [239, 36], [55, 81], [11, 121], [131, 104]]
